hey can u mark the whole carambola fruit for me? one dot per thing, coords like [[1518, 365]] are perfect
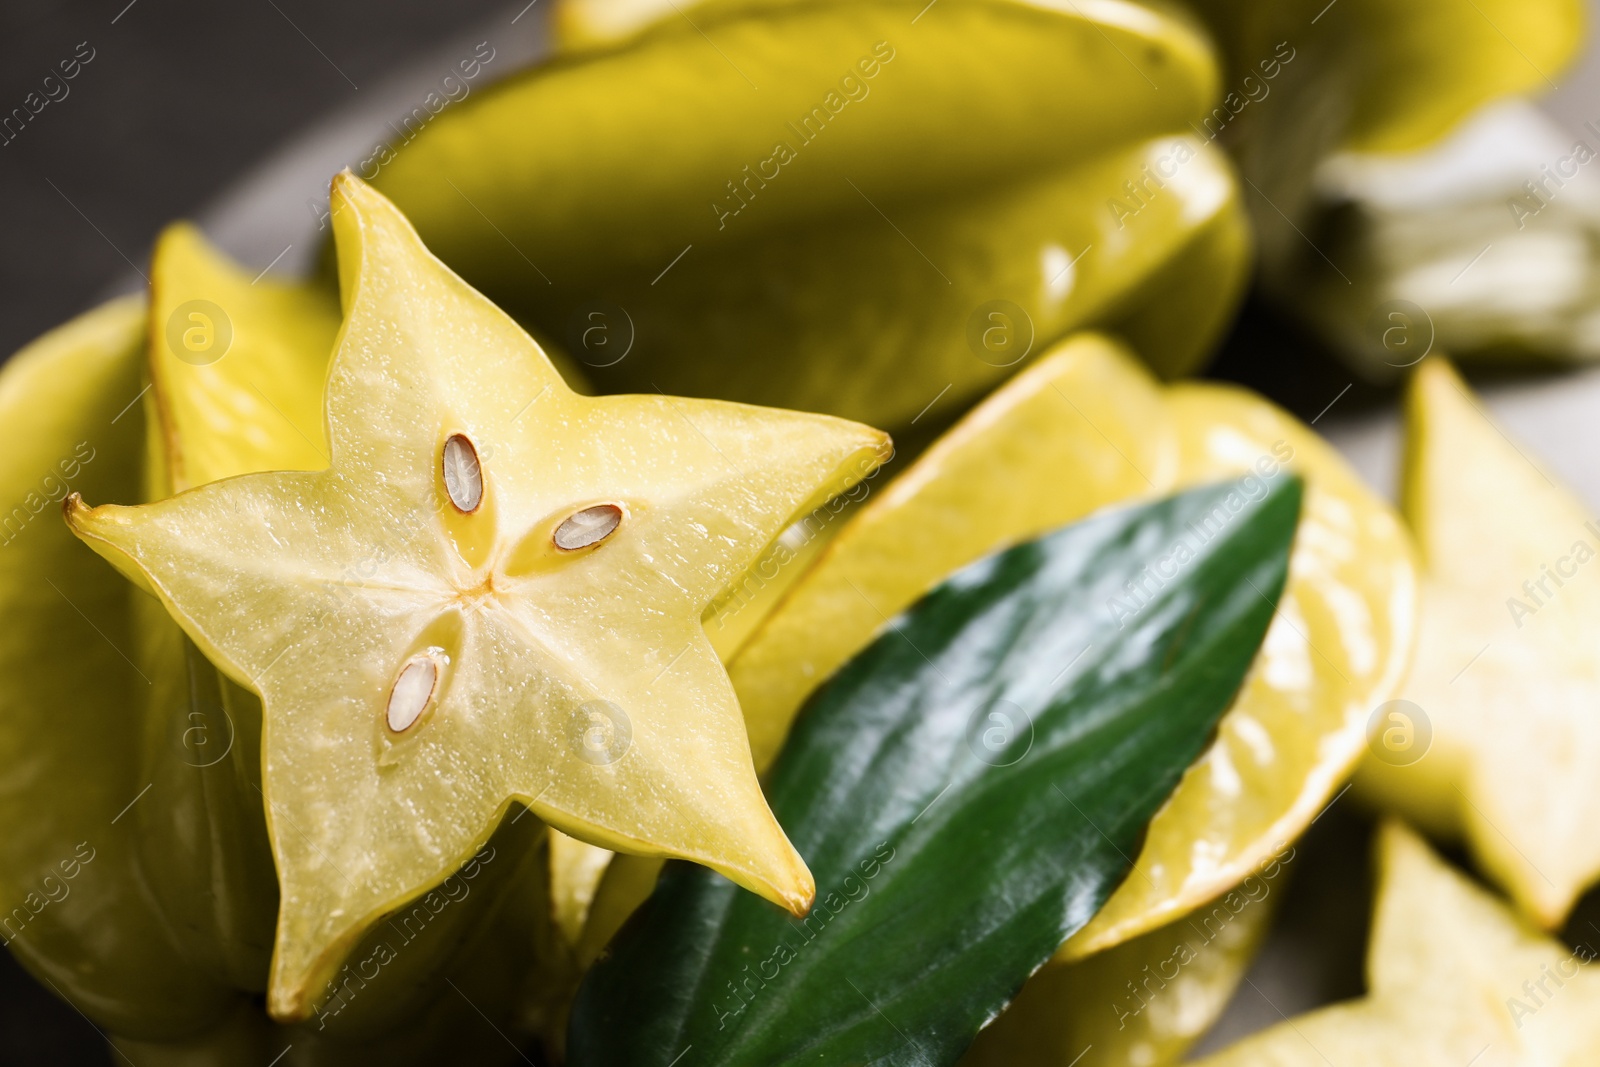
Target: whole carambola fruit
[[1308, 78], [848, 207]]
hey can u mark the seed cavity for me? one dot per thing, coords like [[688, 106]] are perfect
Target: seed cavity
[[463, 476], [588, 527], [414, 689]]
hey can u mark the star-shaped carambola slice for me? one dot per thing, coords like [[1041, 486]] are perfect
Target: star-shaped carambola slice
[[1453, 978], [493, 593], [1506, 677]]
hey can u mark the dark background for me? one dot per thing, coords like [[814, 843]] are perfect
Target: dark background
[[181, 97]]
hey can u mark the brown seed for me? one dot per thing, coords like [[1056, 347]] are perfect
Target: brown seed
[[463, 477], [587, 527], [414, 689]]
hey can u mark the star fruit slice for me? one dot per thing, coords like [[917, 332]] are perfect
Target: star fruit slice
[[1084, 428], [1453, 978], [1507, 679], [237, 366], [492, 594]]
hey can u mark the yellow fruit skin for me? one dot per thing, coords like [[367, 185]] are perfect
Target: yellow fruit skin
[[237, 365], [1073, 433], [1397, 75], [628, 881], [580, 24], [619, 181], [203, 844], [1505, 674], [848, 283], [1176, 316], [418, 989], [74, 907], [1067, 249], [1410, 71]]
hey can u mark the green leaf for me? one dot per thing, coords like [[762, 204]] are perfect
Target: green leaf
[[967, 791]]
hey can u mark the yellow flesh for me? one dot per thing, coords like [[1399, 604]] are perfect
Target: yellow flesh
[[1082, 429], [1511, 693], [1453, 978], [315, 588]]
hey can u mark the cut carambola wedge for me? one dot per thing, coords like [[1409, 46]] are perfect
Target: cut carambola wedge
[[1452, 978], [493, 592], [1502, 736], [862, 191], [238, 366]]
